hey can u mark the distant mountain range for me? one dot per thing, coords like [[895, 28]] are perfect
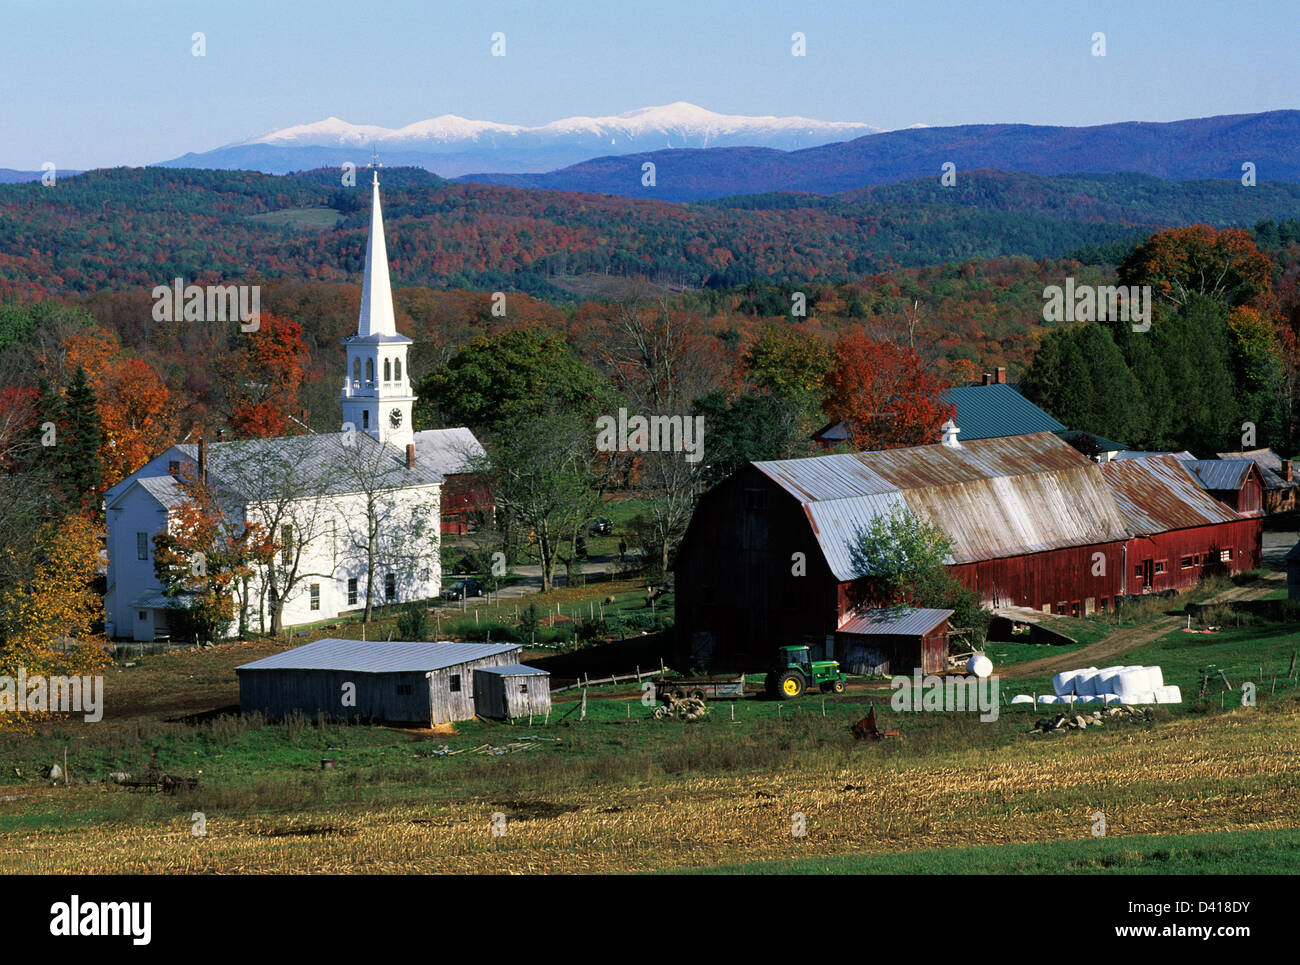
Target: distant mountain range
[[1204, 148], [451, 146]]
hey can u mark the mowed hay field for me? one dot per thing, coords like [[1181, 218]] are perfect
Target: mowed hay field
[[620, 792]]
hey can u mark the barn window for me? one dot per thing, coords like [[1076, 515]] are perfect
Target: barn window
[[754, 498], [523, 688], [1137, 570], [1185, 563], [1160, 566], [315, 596], [142, 546], [390, 587], [352, 591], [1225, 556], [453, 683], [404, 690]]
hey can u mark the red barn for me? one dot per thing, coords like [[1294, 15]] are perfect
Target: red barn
[[466, 498], [1236, 483], [1180, 532]]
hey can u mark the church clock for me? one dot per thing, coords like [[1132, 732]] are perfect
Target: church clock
[[395, 418]]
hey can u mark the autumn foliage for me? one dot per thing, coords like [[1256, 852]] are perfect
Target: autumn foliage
[[884, 395]]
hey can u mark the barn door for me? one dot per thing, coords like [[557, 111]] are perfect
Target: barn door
[[1147, 574]]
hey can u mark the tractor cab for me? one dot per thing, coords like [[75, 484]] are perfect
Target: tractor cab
[[796, 672]]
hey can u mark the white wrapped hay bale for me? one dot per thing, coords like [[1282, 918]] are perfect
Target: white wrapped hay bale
[[1169, 694], [1131, 684], [1156, 677], [1063, 682], [1022, 699], [1085, 681], [1046, 699], [1107, 680], [979, 665], [1067, 699]]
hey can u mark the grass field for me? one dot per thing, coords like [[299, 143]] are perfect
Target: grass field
[[622, 792]]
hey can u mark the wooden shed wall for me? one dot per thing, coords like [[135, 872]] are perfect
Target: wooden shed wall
[[500, 696], [449, 705], [319, 693], [861, 653]]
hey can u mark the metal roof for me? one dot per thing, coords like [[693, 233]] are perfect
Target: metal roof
[[1160, 493], [164, 489], [1221, 474], [1183, 456], [994, 498], [360, 656], [447, 451], [1269, 464], [515, 670], [904, 622], [323, 463], [158, 600], [986, 411]]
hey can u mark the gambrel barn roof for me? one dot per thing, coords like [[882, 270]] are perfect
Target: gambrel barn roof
[[993, 498]]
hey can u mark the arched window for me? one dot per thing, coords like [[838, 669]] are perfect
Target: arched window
[[388, 371], [397, 369], [356, 371], [370, 370]]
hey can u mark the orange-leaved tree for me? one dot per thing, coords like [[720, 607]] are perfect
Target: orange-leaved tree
[[266, 379], [884, 394]]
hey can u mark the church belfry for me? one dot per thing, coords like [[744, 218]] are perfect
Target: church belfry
[[377, 397]]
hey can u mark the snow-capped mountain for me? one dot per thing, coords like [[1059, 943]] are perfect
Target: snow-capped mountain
[[450, 145]]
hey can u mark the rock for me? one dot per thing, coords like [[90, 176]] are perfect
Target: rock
[[54, 773], [1080, 723]]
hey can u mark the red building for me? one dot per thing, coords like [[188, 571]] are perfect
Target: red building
[[466, 498], [1236, 483]]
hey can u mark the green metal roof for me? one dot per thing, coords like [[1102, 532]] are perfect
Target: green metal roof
[[988, 411]]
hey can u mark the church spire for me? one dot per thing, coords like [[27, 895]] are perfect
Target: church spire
[[376, 293]]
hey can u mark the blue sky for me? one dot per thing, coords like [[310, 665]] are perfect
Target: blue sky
[[91, 83]]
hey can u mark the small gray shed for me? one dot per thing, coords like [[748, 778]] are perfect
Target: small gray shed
[[394, 681], [512, 690]]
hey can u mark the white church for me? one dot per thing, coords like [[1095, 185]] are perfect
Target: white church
[[352, 512]]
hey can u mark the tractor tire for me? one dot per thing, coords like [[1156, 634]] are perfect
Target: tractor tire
[[789, 685], [698, 695], [838, 687]]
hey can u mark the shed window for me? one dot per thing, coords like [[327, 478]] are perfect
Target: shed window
[[523, 688], [453, 683], [142, 546]]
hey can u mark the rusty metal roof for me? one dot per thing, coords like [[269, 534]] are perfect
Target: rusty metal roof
[[994, 498], [1156, 494], [902, 622]]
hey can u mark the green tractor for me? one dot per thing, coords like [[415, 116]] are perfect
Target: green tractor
[[796, 672]]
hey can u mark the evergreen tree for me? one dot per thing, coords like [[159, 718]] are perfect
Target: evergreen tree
[[78, 468]]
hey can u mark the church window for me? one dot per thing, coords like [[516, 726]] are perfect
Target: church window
[[286, 544], [356, 371], [397, 369], [370, 370], [388, 371], [365, 418], [352, 591], [390, 588], [315, 596]]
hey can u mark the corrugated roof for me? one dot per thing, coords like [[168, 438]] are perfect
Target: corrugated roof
[[516, 670], [1183, 456], [1221, 474], [993, 497], [1269, 464], [1160, 493], [359, 656], [326, 463], [986, 411], [906, 622]]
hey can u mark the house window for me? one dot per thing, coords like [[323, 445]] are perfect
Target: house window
[[1185, 563], [404, 690], [315, 596], [352, 592], [173, 467], [453, 683], [286, 544], [143, 615], [390, 587], [142, 546]]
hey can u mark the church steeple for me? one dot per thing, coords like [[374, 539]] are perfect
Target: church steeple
[[377, 396], [376, 292]]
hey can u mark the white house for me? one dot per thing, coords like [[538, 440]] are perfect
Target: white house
[[354, 510]]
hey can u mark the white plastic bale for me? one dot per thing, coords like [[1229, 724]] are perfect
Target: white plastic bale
[[1063, 682], [1046, 699], [1085, 681], [1169, 694], [1022, 699], [1157, 678], [979, 665]]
